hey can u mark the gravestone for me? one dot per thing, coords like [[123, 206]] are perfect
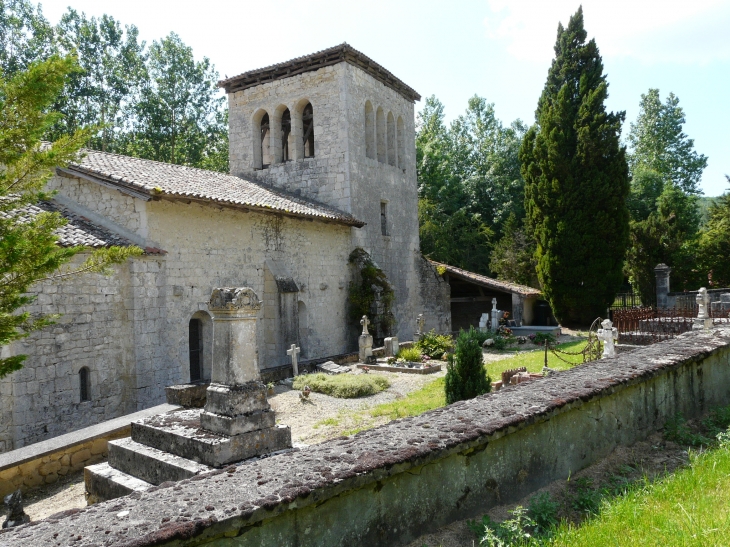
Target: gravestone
[[703, 321], [365, 342], [420, 326], [608, 335], [484, 321], [293, 352], [392, 346]]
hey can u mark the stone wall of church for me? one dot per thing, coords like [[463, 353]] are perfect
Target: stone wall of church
[[377, 187], [43, 399]]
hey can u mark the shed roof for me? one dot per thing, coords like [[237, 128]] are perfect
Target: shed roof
[[331, 56], [487, 282], [147, 179]]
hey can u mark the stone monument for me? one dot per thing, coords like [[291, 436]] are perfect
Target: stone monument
[[392, 346], [294, 352], [365, 342], [495, 315], [608, 335], [420, 326], [703, 321]]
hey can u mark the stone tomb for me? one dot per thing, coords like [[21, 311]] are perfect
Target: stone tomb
[[236, 423]]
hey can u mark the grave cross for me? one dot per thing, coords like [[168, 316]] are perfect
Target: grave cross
[[420, 323], [294, 351], [365, 322]]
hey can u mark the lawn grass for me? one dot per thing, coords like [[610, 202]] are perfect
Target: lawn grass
[[430, 396], [344, 386], [690, 507], [534, 360]]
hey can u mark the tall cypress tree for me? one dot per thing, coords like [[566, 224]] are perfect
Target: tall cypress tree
[[576, 182]]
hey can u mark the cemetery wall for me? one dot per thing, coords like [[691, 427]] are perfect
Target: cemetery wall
[[389, 485]]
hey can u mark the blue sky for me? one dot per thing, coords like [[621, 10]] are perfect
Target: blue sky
[[499, 49]]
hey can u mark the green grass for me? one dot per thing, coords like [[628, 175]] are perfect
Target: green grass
[[534, 360], [430, 396], [690, 507], [344, 386]]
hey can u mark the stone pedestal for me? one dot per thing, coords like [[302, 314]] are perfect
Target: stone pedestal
[[365, 342], [661, 273]]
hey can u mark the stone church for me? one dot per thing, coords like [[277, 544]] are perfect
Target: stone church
[[322, 162]]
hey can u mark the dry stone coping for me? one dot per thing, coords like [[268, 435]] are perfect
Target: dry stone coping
[[213, 503], [39, 450]]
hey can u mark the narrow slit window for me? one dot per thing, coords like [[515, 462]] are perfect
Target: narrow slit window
[[84, 384], [384, 218]]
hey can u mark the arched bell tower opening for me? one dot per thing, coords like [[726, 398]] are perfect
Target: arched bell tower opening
[[308, 130]]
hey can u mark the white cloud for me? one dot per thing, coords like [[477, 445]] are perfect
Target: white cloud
[[647, 30]]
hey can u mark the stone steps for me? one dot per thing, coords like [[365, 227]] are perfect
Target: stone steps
[[103, 482], [150, 464]]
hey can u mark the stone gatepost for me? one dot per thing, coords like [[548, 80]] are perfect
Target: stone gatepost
[[236, 398], [662, 272]]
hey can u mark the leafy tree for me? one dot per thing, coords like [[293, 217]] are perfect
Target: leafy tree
[[715, 242], [112, 70], [513, 257], [576, 182], [28, 250], [469, 182], [25, 36], [179, 117], [466, 376], [666, 172]]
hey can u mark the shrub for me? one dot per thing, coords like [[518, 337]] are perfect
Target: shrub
[[412, 354], [343, 386], [435, 345], [543, 511], [466, 376], [541, 337], [511, 532]]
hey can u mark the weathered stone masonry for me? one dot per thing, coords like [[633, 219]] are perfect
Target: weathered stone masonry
[[389, 485]]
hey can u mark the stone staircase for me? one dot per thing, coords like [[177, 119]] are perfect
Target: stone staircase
[[236, 423]]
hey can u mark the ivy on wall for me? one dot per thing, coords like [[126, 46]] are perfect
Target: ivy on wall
[[370, 294]]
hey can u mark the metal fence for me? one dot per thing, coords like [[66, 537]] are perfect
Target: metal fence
[[647, 325]]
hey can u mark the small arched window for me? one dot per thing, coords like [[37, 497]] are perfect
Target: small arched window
[[400, 138], [308, 130], [265, 144], [391, 139], [380, 135], [84, 384], [195, 347], [285, 133], [260, 139], [369, 130]]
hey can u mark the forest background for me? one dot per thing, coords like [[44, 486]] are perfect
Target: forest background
[[158, 102]]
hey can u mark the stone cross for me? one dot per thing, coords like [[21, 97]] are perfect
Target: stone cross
[[420, 323], [495, 315], [608, 335], [294, 351], [365, 322]]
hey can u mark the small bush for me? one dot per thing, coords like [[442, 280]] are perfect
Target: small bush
[[541, 337], [677, 430], [543, 511], [466, 376], [435, 345], [586, 499], [412, 354], [511, 532], [343, 386], [500, 343]]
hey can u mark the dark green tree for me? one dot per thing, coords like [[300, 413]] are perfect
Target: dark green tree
[[25, 36], [715, 242], [28, 250], [466, 376], [576, 182], [179, 117], [513, 256], [112, 70]]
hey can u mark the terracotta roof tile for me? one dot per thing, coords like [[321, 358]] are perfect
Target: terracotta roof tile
[[178, 182], [78, 231], [488, 281]]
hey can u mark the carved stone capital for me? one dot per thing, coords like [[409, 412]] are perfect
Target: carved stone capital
[[231, 299]]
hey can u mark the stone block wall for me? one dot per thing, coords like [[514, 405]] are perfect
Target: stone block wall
[[435, 295], [389, 485]]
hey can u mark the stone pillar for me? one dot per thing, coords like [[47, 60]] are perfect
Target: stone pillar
[[236, 398], [703, 321], [662, 272]]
